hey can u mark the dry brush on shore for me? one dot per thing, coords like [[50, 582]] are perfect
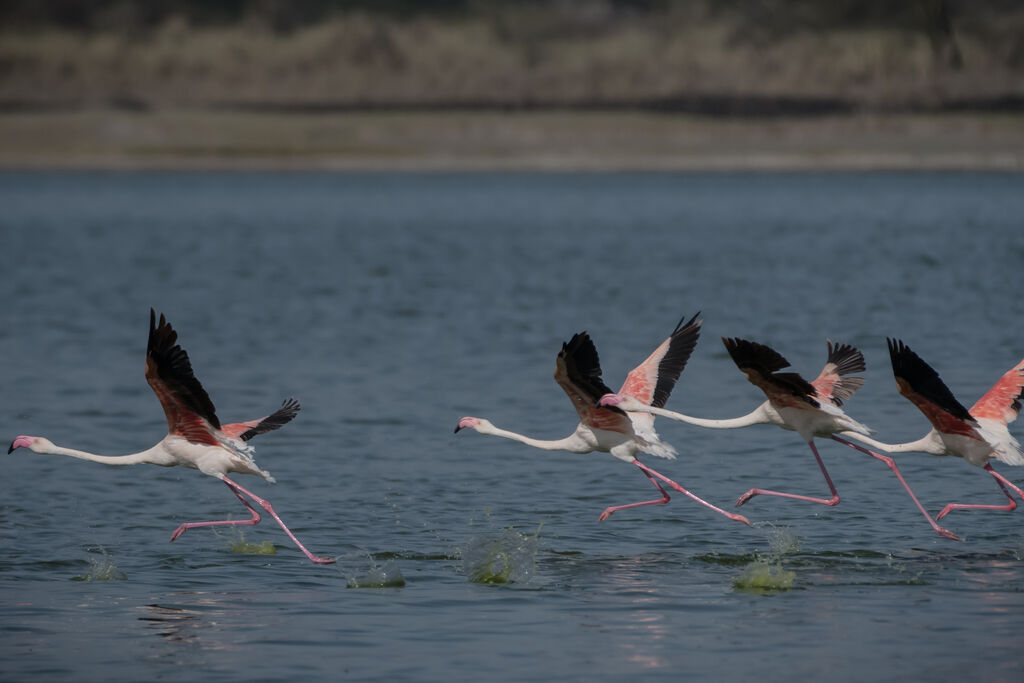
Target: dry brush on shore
[[773, 56]]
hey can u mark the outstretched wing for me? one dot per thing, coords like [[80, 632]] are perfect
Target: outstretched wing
[[921, 385], [1003, 401], [833, 384], [279, 418], [652, 381], [189, 410], [761, 365], [578, 372]]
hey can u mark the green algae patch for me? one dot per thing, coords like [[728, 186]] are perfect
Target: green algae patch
[[762, 576], [244, 547]]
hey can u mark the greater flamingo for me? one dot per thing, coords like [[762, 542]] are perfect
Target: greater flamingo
[[809, 408], [976, 435], [195, 436], [610, 430]]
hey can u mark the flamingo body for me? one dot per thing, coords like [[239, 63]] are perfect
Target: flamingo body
[[812, 409], [195, 439], [609, 429], [978, 435]]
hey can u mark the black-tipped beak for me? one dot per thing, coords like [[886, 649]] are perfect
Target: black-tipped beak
[[457, 428], [10, 449]]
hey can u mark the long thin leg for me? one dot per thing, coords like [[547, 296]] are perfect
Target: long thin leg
[[660, 501], [1003, 483], [193, 525], [238, 490], [891, 464], [649, 472], [834, 500]]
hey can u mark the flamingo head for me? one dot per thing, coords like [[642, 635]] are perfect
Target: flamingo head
[[34, 443], [472, 423], [620, 401]]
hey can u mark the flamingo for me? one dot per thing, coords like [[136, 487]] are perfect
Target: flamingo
[[611, 430], [195, 438], [809, 408], [976, 435]]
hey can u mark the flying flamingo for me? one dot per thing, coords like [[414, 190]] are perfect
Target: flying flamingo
[[195, 436], [611, 430], [809, 408], [976, 435]]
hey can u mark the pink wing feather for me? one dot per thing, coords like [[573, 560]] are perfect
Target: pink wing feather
[[652, 381], [833, 384], [187, 406], [1003, 401], [578, 372], [279, 418]]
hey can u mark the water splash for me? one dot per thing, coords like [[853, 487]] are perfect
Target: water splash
[[237, 543], [102, 568], [765, 573], [900, 567], [386, 575], [507, 556], [782, 542]]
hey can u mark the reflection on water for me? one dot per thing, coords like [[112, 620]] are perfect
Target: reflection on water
[[641, 634], [203, 620], [174, 623]]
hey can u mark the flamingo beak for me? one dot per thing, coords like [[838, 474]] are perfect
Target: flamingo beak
[[20, 442]]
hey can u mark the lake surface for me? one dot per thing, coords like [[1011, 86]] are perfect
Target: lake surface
[[391, 305]]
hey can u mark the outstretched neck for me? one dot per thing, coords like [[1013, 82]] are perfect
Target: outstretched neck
[[757, 416], [155, 455], [570, 443], [927, 444]]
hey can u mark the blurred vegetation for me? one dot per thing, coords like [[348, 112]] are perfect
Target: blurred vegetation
[[729, 56]]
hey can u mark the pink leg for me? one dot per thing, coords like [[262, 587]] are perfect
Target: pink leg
[[660, 501], [238, 491], [834, 500], [192, 525], [1003, 483], [891, 464], [651, 473]]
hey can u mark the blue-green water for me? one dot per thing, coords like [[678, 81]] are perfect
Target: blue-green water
[[393, 304]]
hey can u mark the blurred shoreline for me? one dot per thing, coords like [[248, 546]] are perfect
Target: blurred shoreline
[[543, 140], [497, 84]]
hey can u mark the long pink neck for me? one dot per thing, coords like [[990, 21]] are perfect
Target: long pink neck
[[570, 443], [758, 416], [155, 456], [927, 444]]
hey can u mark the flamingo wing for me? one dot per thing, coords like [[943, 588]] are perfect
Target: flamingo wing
[[652, 381], [578, 372], [189, 410], [922, 386], [833, 384], [761, 365], [279, 418], [1003, 401]]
